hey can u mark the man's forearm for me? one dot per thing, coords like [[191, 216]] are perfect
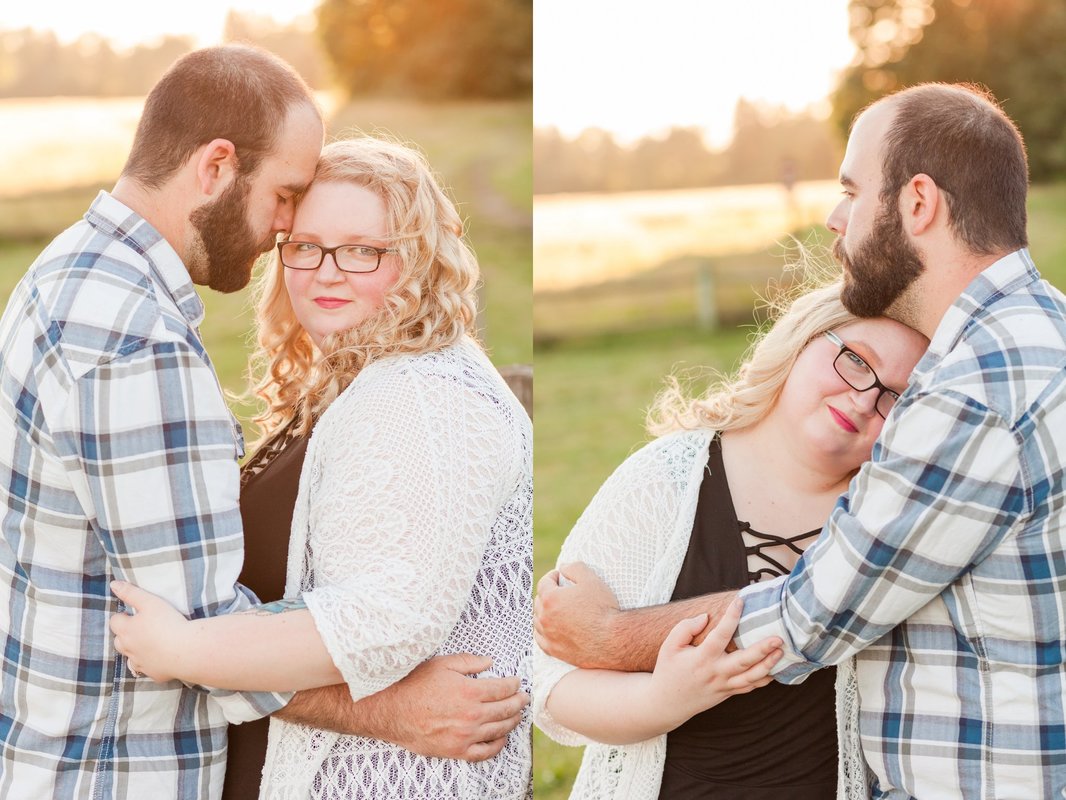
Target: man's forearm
[[637, 634], [332, 708], [437, 710]]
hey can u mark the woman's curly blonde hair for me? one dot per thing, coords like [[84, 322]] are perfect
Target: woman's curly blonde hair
[[732, 402], [432, 304]]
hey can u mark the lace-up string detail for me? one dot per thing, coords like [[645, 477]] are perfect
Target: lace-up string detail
[[270, 450], [774, 568]]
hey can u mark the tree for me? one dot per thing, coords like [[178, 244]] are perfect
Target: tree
[[447, 48], [1015, 49]]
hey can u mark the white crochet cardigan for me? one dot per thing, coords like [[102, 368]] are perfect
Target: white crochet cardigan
[[412, 537], [635, 534]]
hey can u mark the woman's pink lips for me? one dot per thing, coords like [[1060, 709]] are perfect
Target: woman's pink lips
[[843, 421], [331, 302]]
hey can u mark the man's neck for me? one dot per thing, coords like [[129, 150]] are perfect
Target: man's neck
[[158, 208], [945, 278]]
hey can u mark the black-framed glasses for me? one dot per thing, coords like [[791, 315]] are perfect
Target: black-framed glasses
[[347, 257], [860, 376]]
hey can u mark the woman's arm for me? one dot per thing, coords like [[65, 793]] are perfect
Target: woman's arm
[[629, 707], [274, 647], [633, 536]]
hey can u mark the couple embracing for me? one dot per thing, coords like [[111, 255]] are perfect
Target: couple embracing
[[702, 601], [387, 510]]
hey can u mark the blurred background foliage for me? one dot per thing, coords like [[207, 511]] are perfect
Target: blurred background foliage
[[397, 48], [447, 48], [769, 143], [1016, 49], [35, 63]]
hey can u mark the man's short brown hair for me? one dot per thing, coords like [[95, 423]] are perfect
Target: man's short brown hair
[[959, 136], [233, 92]]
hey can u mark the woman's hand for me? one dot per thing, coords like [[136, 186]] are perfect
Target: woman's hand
[[151, 638], [691, 678]]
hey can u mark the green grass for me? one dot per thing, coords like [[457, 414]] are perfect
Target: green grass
[[592, 391], [482, 150], [589, 411], [1047, 236]]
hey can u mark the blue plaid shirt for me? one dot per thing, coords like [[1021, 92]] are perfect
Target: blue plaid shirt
[[118, 459], [944, 568]]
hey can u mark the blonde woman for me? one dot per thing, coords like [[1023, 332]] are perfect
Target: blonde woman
[[734, 488], [411, 533]]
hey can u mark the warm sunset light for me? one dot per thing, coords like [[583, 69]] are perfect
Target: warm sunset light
[[634, 70]]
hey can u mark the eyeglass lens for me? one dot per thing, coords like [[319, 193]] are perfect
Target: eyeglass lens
[[350, 258], [860, 375]]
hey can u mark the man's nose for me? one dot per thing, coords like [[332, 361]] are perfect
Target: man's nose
[[837, 220], [283, 218]]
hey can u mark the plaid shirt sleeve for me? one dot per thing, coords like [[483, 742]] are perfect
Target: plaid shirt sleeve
[[151, 449], [943, 489]]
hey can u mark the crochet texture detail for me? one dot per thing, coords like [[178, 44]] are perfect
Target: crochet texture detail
[[412, 537]]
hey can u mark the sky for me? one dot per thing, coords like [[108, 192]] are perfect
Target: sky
[[641, 68], [128, 22]]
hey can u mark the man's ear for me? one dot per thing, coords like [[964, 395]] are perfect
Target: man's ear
[[216, 166], [920, 201]]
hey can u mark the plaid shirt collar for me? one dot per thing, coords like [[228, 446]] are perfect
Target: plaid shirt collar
[[112, 217], [1006, 275]]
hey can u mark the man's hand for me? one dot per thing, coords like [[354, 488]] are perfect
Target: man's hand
[[572, 617], [436, 710], [576, 619]]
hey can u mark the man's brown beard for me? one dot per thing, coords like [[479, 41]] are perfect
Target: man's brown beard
[[228, 242], [881, 268]]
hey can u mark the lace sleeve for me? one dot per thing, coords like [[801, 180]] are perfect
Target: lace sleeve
[[629, 534], [413, 466]]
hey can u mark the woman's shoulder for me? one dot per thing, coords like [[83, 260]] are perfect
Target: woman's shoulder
[[442, 381], [662, 468], [677, 450], [458, 372], [463, 358]]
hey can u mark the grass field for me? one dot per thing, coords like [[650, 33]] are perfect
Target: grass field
[[592, 391], [482, 150]]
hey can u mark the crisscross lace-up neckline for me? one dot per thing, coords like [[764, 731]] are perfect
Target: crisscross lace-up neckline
[[773, 568]]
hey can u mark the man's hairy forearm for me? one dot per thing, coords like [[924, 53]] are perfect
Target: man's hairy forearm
[[638, 633], [332, 708]]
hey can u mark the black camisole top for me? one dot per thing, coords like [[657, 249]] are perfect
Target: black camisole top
[[775, 742], [270, 480]]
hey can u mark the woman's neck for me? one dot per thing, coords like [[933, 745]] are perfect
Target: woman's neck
[[774, 487]]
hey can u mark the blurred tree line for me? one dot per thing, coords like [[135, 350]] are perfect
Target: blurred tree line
[[769, 145], [430, 50], [36, 64], [1016, 49]]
